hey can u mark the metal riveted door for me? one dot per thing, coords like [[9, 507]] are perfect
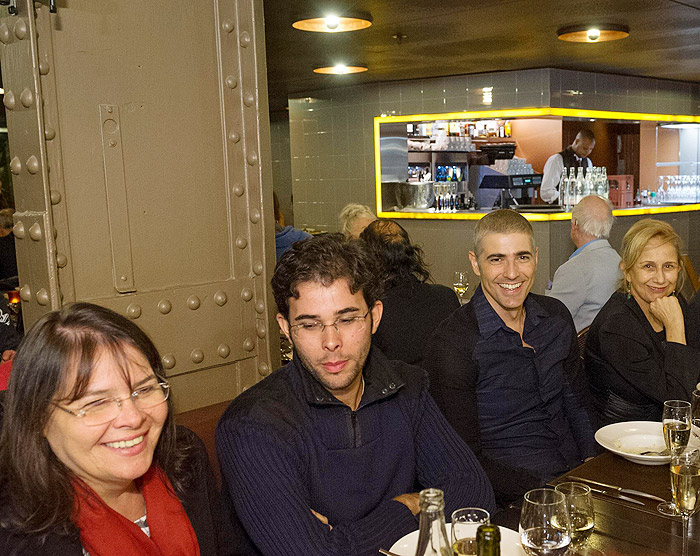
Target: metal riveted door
[[139, 141]]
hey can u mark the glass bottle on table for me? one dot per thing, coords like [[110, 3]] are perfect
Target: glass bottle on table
[[488, 540], [432, 533]]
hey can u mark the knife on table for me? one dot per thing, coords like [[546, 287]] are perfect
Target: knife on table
[[617, 488], [616, 496]]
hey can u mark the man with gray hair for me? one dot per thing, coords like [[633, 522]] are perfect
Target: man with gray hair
[[587, 280]]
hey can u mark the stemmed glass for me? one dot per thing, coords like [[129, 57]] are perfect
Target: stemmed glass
[[677, 424], [460, 284], [695, 413], [685, 487], [465, 522], [545, 529]]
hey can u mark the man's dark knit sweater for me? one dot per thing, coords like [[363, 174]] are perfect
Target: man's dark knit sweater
[[287, 446]]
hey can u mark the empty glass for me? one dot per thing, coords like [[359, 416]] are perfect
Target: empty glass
[[545, 529], [580, 507], [465, 522]]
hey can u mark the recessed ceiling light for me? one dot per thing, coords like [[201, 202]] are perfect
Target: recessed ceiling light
[[333, 23], [593, 33], [340, 69]]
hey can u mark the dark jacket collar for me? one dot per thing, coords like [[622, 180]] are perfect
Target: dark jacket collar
[[489, 322], [381, 381]]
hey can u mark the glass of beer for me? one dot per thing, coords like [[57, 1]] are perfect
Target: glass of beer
[[465, 522]]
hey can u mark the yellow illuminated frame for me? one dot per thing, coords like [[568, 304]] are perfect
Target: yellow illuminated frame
[[520, 113]]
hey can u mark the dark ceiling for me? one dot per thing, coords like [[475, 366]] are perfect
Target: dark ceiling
[[450, 37]]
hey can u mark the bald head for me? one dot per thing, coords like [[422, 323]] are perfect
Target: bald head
[[591, 219]]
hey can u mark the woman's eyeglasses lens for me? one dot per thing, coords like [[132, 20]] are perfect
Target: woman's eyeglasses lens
[[144, 397]]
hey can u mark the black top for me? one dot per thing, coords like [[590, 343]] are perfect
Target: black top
[[692, 322], [412, 311], [202, 503], [8, 258], [522, 411], [632, 370]]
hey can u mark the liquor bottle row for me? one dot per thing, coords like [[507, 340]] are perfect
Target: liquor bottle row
[[577, 184]]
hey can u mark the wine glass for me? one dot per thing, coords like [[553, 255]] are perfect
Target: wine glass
[[580, 507], [676, 423], [465, 522], [695, 413], [545, 529], [685, 487], [460, 284]]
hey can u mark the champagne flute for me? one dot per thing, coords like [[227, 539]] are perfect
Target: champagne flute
[[695, 413], [676, 423], [545, 529], [465, 522], [580, 507], [685, 487], [460, 284]]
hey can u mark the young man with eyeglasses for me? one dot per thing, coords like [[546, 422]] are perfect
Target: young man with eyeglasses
[[326, 455]]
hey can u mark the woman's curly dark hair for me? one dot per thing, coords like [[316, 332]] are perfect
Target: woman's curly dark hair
[[324, 259], [399, 259]]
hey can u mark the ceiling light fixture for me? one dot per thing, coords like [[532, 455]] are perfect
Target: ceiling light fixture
[[340, 69], [593, 33], [333, 23]]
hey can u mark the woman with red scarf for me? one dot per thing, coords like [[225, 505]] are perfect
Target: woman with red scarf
[[90, 459]]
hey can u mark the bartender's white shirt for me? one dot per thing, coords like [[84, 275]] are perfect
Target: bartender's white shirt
[[549, 191]]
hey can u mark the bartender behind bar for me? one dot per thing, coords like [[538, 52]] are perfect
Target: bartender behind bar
[[574, 155]]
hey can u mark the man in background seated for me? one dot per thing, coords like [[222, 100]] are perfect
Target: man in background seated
[[412, 306], [285, 236], [505, 368], [8, 258], [586, 281], [324, 456], [354, 218]]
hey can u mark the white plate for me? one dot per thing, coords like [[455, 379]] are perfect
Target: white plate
[[510, 543], [628, 439]]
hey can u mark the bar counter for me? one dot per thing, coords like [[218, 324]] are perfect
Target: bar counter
[[446, 238]]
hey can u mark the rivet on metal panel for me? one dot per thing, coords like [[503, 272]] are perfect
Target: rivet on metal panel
[[164, 306], [15, 166], [264, 369], [231, 82], [55, 197], [260, 306], [249, 99], [110, 109], [9, 100], [25, 292], [245, 39], [21, 29], [42, 297], [168, 361], [248, 344], [133, 311], [49, 133], [255, 216], [261, 331], [233, 136], [246, 294], [193, 302], [44, 67], [238, 189], [18, 229], [112, 143], [197, 356], [26, 97], [252, 158], [258, 268], [35, 232], [220, 298], [32, 164], [223, 350], [228, 25], [5, 36], [241, 242], [61, 260]]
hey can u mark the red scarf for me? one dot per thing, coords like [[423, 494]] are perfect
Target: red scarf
[[104, 532]]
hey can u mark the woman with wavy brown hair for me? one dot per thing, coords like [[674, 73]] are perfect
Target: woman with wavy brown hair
[[636, 351], [90, 459]]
